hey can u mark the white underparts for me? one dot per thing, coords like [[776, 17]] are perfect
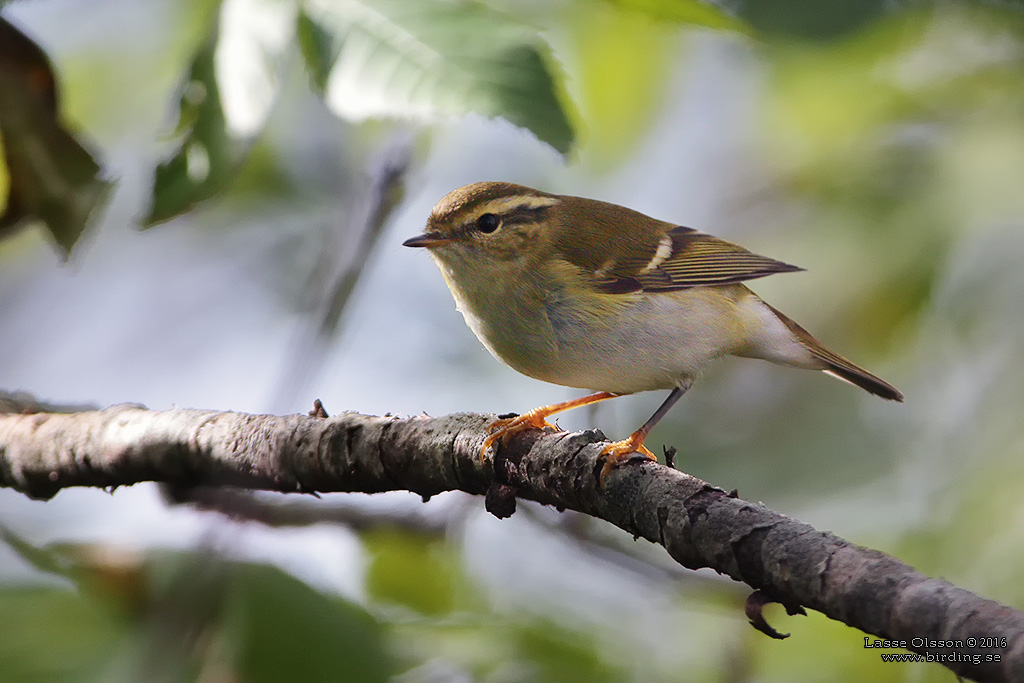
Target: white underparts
[[769, 338]]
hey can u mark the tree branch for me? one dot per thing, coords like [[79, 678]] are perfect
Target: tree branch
[[701, 526]]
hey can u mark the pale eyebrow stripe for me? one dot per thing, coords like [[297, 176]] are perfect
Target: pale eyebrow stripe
[[515, 210], [509, 204]]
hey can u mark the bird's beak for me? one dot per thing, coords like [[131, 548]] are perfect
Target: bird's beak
[[427, 239]]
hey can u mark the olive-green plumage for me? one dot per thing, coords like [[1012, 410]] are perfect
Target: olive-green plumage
[[589, 294]]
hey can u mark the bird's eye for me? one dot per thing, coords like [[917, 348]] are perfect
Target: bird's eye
[[487, 222]]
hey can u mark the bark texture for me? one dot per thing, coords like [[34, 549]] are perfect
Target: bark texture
[[699, 525]]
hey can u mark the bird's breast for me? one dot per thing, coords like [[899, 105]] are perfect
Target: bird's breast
[[642, 341], [510, 319], [621, 343]]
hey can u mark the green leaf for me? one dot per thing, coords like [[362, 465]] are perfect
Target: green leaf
[[810, 19], [42, 559], [5, 180], [622, 57], [319, 50], [559, 654], [411, 570], [424, 60], [56, 635], [693, 12], [48, 174], [232, 84], [283, 630]]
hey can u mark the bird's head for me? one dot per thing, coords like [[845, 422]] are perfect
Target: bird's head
[[487, 223]]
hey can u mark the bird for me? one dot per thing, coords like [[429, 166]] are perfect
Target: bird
[[588, 294]]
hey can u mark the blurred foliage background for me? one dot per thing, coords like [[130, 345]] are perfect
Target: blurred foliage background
[[208, 212]]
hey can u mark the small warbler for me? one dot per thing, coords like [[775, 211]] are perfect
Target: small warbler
[[593, 295]]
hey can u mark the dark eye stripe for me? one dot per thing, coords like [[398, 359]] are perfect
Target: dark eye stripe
[[526, 215]]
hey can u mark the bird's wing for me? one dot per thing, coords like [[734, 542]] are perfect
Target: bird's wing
[[687, 258]]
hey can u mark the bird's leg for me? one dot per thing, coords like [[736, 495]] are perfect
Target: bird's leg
[[535, 419], [615, 453]]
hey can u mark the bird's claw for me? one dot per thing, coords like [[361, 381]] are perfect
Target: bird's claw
[[503, 429], [620, 451]]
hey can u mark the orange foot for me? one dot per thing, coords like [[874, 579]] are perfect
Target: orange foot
[[536, 419], [505, 428], [617, 453]]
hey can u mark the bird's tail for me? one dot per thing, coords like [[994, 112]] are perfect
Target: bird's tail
[[839, 367]]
